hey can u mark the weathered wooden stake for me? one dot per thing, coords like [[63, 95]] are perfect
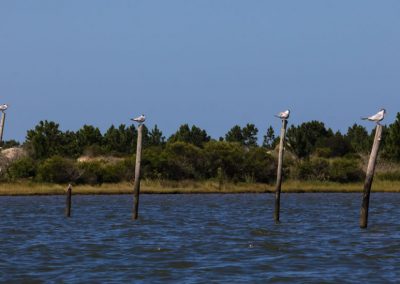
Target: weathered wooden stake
[[279, 174], [3, 119], [369, 177], [68, 201], [136, 187]]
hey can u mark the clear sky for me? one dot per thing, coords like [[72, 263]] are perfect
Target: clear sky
[[212, 63]]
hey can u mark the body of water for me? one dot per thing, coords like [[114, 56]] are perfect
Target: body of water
[[200, 238]]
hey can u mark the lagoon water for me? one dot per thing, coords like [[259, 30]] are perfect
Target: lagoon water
[[200, 238]]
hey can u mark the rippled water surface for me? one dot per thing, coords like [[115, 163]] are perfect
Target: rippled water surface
[[200, 238]]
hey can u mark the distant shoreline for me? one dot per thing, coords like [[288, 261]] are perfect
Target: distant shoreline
[[192, 187]]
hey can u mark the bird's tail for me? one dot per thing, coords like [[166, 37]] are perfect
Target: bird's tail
[[364, 118], [277, 116]]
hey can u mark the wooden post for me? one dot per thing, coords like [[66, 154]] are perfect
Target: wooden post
[[136, 187], [68, 201], [3, 119], [369, 177], [279, 173]]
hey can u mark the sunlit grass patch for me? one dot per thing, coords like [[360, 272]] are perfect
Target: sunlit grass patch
[[192, 187]]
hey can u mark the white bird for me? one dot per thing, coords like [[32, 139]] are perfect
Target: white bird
[[139, 119], [379, 116], [3, 107], [284, 114]]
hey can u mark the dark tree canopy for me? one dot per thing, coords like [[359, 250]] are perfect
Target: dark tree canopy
[[89, 135], [45, 140], [121, 139], [269, 140], [235, 135], [392, 140], [195, 135], [246, 136], [155, 137], [335, 145], [358, 137], [302, 139], [250, 132]]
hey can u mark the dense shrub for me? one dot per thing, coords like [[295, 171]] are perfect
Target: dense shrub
[[323, 152], [9, 144], [338, 170], [227, 156], [313, 169], [184, 161], [154, 163], [114, 172], [90, 173], [22, 168], [58, 170], [390, 176], [259, 166], [345, 170], [128, 166], [98, 172]]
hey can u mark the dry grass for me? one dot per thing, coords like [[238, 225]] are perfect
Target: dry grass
[[192, 187], [310, 186]]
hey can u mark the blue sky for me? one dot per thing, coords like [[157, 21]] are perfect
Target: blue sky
[[213, 63]]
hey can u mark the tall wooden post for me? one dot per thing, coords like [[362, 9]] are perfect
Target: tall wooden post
[[68, 201], [279, 173], [369, 177], [136, 187], [3, 119]]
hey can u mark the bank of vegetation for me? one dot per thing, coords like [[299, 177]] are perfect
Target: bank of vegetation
[[315, 156]]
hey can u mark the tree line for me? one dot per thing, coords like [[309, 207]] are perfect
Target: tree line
[[313, 152]]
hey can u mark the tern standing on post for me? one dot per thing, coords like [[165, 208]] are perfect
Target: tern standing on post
[[3, 108], [379, 116], [371, 166], [284, 115], [139, 119], [136, 187]]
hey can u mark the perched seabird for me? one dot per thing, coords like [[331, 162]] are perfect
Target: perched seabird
[[3, 107], [284, 114], [139, 119], [376, 117]]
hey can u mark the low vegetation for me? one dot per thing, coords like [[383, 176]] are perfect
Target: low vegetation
[[191, 161]]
